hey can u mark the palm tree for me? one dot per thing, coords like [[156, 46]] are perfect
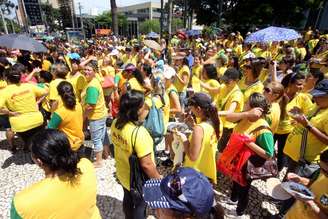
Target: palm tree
[[114, 16]]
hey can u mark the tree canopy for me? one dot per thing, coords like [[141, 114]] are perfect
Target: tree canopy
[[245, 14]]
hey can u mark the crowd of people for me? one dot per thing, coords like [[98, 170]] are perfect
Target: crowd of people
[[123, 95]]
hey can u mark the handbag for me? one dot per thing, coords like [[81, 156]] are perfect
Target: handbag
[[259, 168], [137, 175]]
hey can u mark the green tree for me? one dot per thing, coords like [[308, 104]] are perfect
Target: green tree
[[104, 19], [243, 15], [150, 25], [52, 17]]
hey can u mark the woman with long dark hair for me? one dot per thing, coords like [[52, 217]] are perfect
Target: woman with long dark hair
[[69, 117], [200, 149], [67, 178], [128, 136]]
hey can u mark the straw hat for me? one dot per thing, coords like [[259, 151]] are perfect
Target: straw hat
[[275, 190]]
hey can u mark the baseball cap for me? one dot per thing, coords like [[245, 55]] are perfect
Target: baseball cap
[[129, 67], [230, 74], [169, 72], [185, 190], [200, 99], [321, 89]]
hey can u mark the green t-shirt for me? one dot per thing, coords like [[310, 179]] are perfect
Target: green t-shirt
[[92, 96], [266, 142]]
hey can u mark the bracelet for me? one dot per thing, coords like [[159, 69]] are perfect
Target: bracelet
[[314, 207]]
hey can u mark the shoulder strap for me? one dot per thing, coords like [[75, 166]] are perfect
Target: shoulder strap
[[304, 138], [260, 128], [133, 143]]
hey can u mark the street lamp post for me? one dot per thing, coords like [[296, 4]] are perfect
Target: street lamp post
[[4, 23]]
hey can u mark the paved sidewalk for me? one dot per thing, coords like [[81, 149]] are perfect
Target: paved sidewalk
[[17, 172]]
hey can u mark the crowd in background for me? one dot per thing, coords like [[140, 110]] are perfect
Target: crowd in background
[[109, 89]]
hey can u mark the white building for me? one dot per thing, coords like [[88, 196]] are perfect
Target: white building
[[144, 11]]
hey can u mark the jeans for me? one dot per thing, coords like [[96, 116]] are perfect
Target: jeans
[[281, 158], [99, 136], [183, 99], [130, 210]]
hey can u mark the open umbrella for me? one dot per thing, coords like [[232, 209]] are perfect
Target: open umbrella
[[152, 44], [194, 32], [21, 41], [152, 35], [272, 34]]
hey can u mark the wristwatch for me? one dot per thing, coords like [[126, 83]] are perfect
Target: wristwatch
[[309, 126]]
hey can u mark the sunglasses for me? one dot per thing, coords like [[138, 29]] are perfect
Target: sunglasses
[[268, 90]]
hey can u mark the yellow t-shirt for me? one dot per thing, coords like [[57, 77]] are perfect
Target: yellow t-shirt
[[72, 125], [302, 210], [122, 140], [221, 70], [264, 75], [127, 60], [197, 70], [314, 146], [3, 84], [108, 71], [79, 82], [206, 162], [46, 65], [273, 117], [56, 197], [248, 90], [100, 110], [301, 101], [182, 71], [135, 85], [168, 91], [53, 93], [21, 98], [212, 83], [225, 98]]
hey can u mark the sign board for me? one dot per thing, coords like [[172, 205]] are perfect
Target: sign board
[[103, 32], [74, 36]]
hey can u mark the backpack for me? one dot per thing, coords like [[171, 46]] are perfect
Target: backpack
[[154, 123]]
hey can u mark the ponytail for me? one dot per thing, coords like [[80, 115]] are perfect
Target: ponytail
[[211, 113], [66, 92], [53, 149]]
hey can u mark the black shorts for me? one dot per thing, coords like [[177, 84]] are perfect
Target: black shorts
[[27, 135], [4, 122]]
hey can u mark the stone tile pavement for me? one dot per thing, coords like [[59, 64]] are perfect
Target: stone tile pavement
[[17, 172]]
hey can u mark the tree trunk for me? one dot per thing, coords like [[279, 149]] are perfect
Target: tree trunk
[[169, 20], [162, 18], [113, 7]]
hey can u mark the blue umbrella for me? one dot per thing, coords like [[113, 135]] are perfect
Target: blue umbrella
[[193, 32], [272, 34], [152, 35], [21, 41]]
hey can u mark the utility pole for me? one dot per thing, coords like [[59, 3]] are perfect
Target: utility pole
[[72, 13], [162, 17], [81, 20], [4, 23], [170, 2]]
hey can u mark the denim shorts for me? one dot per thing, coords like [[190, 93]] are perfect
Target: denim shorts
[[99, 136], [183, 99], [4, 122]]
